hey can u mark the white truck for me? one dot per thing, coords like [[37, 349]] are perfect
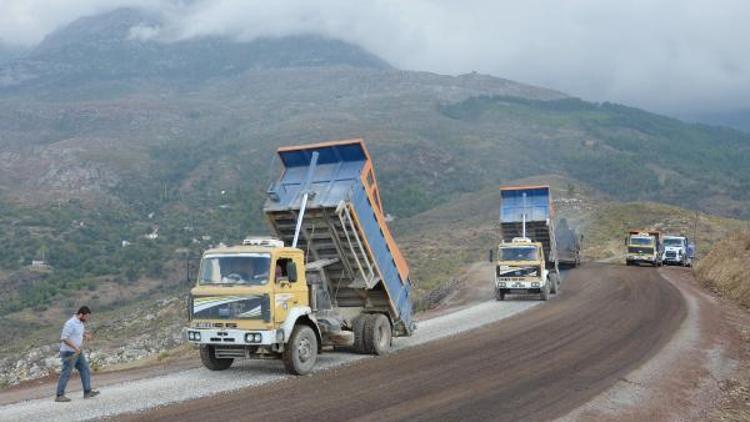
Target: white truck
[[678, 251]]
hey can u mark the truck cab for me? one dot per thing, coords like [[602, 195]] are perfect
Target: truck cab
[[521, 269], [644, 247], [677, 251], [248, 299]]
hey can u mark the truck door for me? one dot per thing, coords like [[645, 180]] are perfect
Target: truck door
[[288, 293]]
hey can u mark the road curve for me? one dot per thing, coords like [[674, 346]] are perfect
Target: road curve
[[537, 365]]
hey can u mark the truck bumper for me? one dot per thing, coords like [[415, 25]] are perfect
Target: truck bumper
[[233, 337], [636, 258], [515, 286]]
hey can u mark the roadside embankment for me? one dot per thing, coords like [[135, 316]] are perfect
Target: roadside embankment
[[724, 269]]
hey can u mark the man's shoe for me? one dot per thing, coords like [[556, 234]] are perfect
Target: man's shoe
[[90, 394], [62, 399]]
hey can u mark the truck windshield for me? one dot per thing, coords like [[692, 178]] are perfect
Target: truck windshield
[[519, 253], [672, 242], [642, 241], [249, 269]]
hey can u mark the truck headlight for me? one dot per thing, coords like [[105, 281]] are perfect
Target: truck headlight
[[253, 338], [535, 284], [197, 336], [501, 284]]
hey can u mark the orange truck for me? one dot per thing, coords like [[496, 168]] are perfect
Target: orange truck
[[644, 247]]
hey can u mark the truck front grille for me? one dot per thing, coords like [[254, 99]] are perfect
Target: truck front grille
[[231, 352]]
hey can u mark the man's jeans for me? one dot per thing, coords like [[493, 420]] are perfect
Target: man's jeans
[[69, 360]]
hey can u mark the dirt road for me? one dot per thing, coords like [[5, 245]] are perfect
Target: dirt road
[[537, 365]]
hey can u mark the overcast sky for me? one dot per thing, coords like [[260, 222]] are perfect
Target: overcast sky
[[671, 56]]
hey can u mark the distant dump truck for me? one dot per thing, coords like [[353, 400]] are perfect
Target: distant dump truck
[[527, 256], [569, 245], [644, 246], [678, 251], [341, 280]]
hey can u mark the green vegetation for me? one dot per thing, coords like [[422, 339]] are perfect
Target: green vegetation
[[622, 151]]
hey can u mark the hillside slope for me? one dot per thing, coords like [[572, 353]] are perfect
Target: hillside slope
[[106, 138], [724, 269]]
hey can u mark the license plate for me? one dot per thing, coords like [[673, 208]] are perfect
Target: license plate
[[518, 291]]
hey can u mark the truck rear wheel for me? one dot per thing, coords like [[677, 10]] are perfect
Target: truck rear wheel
[[358, 328], [210, 361], [301, 352], [554, 283], [557, 283], [378, 334], [545, 292]]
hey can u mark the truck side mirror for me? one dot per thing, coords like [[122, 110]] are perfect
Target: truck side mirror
[[291, 271], [492, 255]]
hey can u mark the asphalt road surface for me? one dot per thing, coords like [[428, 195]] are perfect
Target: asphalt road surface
[[537, 365]]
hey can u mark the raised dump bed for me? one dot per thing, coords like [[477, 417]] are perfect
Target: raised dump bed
[[532, 205], [343, 225]]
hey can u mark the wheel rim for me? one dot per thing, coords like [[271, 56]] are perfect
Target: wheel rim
[[304, 350]]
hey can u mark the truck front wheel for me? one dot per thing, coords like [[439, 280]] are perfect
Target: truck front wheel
[[378, 334], [499, 294], [210, 361], [301, 352]]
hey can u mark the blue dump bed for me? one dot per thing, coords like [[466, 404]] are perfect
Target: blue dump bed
[[533, 204], [344, 221]]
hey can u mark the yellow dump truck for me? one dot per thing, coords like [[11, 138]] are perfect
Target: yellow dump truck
[[644, 247], [527, 260], [340, 281]]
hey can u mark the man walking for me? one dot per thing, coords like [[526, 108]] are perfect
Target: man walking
[[71, 340]]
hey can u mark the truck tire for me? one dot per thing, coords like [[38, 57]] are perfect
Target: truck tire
[[545, 292], [358, 328], [301, 352], [210, 360], [378, 334], [499, 295]]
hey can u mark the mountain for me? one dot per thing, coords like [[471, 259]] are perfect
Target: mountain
[[9, 53], [106, 137], [738, 119], [121, 46]]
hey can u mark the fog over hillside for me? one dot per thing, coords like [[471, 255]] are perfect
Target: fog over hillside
[[686, 59]]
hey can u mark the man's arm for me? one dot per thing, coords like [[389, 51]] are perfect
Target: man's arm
[[72, 346]]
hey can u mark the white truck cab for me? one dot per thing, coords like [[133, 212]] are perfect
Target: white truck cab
[[677, 251]]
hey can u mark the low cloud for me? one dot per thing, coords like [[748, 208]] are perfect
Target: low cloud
[[144, 32], [671, 56]]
